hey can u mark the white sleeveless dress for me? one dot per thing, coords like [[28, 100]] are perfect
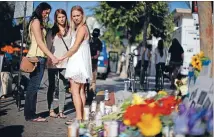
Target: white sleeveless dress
[[79, 66]]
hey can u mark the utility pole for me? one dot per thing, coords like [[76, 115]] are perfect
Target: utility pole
[[206, 29]]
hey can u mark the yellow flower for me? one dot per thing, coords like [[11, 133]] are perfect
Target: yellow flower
[[136, 100], [164, 93], [193, 64], [127, 122], [150, 125], [194, 61], [201, 54], [198, 65]]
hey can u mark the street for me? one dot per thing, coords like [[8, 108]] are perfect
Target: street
[[12, 123]]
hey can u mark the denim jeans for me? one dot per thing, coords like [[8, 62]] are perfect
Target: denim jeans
[[57, 83], [32, 89]]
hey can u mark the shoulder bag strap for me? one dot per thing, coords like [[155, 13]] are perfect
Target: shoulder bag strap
[[64, 44]]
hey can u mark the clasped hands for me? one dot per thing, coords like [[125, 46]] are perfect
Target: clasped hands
[[56, 60]]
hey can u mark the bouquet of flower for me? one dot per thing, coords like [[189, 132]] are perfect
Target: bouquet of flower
[[149, 114], [198, 61]]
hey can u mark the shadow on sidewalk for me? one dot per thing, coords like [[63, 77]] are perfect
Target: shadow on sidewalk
[[3, 112], [12, 131], [69, 108]]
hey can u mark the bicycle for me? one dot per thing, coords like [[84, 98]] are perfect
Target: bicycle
[[131, 72], [145, 80], [160, 79]]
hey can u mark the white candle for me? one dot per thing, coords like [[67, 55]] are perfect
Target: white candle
[[108, 109], [107, 129], [98, 119], [102, 107], [94, 106], [86, 113], [73, 130], [113, 128], [114, 108]]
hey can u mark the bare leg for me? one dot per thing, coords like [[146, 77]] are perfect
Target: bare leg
[[83, 97], [77, 99]]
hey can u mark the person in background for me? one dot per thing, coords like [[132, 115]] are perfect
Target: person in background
[[160, 60], [147, 56], [176, 60], [39, 49], [96, 49], [58, 40]]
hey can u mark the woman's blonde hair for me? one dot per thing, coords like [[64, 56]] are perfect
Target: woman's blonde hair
[[78, 8]]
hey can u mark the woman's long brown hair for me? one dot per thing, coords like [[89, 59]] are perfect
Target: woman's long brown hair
[[55, 28]]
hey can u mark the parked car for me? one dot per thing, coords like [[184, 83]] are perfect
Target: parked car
[[103, 63]]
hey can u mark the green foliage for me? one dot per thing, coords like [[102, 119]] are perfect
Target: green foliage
[[112, 38], [6, 24], [119, 20], [128, 19], [161, 20]]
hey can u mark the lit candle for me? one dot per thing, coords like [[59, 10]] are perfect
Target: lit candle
[[86, 113], [108, 109], [73, 130], [114, 129], [114, 108], [107, 129], [102, 107], [93, 106], [98, 119]]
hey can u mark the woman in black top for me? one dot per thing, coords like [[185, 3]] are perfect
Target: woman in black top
[[176, 60]]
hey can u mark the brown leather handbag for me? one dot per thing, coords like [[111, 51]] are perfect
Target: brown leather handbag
[[28, 64]]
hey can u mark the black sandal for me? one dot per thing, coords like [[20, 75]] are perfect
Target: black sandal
[[53, 114], [61, 115]]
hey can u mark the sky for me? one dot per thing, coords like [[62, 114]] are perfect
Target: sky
[[87, 4]]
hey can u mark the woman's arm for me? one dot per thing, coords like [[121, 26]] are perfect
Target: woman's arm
[[79, 38], [36, 29]]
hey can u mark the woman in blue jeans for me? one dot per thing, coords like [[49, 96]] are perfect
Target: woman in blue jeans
[[38, 48], [58, 40]]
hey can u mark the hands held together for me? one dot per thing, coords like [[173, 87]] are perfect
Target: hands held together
[[56, 60]]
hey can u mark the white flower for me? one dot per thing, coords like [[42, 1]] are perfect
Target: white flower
[[151, 94], [184, 89], [184, 81]]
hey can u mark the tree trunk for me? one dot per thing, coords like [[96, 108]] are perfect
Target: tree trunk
[[206, 29], [145, 26]]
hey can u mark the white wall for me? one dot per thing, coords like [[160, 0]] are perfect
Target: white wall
[[187, 21]]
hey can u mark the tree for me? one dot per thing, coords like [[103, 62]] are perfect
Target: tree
[[206, 29], [109, 15], [131, 18], [6, 24]]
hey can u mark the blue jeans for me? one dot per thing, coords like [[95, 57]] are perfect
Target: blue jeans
[[32, 89]]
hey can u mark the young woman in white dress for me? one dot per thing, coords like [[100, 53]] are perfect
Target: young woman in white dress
[[79, 68]]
